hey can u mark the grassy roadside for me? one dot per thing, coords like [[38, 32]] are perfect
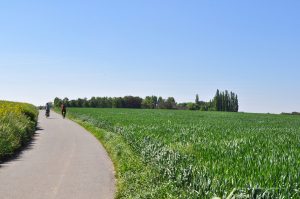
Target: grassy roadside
[[17, 125], [202, 154], [135, 179]]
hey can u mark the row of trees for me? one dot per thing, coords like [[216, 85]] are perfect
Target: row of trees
[[223, 101], [292, 113], [101, 102], [150, 102]]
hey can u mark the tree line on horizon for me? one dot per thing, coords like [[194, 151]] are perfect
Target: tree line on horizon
[[223, 101]]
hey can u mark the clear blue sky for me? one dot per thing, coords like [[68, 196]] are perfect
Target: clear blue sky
[[167, 48]]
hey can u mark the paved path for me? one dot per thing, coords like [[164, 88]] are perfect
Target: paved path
[[63, 161]]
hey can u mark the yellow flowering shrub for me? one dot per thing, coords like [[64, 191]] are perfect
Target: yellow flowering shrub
[[17, 125]]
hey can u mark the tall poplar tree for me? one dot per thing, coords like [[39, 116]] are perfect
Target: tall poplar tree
[[197, 99]]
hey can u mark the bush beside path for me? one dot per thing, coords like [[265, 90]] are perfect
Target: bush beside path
[[17, 126]]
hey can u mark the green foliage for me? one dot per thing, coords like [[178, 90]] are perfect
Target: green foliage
[[193, 154], [150, 102], [101, 102], [197, 100], [192, 106], [57, 102], [17, 125], [225, 101], [168, 103], [135, 178], [293, 113]]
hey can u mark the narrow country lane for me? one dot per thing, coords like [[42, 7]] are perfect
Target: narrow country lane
[[63, 161]]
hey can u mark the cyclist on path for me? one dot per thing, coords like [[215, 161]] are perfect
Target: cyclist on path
[[63, 110]]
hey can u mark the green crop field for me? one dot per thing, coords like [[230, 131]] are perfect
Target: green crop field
[[193, 154]]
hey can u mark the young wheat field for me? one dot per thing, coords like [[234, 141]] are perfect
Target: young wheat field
[[194, 154]]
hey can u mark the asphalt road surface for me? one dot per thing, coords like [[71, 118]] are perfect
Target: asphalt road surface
[[63, 161]]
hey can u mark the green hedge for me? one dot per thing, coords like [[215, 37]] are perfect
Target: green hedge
[[17, 125]]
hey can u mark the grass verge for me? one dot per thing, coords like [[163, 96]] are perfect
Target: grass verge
[[135, 179], [203, 154]]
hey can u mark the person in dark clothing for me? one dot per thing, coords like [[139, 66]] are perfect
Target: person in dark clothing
[[63, 110], [47, 110]]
